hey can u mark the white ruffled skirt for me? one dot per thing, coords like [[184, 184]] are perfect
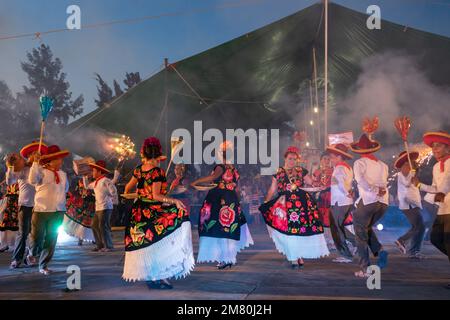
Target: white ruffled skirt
[[77, 230], [223, 250], [295, 247], [171, 257]]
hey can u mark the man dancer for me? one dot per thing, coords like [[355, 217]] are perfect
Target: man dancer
[[105, 193], [410, 203], [341, 201], [18, 172], [371, 174], [49, 204], [440, 232]]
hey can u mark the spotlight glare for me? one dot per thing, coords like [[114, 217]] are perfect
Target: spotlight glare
[[380, 227]]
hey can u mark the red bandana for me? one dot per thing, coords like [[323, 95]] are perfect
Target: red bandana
[[442, 162], [97, 180], [369, 156], [345, 164], [55, 172]]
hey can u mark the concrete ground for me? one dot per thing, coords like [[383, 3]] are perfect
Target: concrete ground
[[261, 273]]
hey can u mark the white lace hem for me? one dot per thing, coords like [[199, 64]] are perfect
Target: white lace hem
[[170, 257], [76, 230], [295, 247], [223, 250]]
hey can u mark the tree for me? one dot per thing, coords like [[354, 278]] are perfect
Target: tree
[[46, 77], [117, 89], [105, 94], [8, 119], [131, 79]]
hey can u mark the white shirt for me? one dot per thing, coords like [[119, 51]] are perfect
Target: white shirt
[[114, 180], [341, 184], [441, 183], [371, 175], [407, 193], [26, 190], [50, 196], [104, 191]]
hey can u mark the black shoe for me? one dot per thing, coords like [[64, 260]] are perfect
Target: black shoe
[[224, 266], [4, 249], [80, 242], [159, 285]]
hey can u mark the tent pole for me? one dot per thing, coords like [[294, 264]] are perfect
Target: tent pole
[[166, 108], [312, 114], [316, 95], [326, 75]]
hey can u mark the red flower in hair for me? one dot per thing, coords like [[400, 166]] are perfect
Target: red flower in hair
[[292, 149], [153, 141]]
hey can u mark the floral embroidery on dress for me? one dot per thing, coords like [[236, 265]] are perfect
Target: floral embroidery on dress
[[294, 211], [151, 220], [221, 214]]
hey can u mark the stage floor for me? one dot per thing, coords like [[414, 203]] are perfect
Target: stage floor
[[261, 273]]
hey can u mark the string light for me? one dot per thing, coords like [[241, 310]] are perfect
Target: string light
[[316, 110], [311, 122], [307, 144]]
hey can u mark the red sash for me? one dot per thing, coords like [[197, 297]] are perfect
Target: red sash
[[442, 162], [97, 180]]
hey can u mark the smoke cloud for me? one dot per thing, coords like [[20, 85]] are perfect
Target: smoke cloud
[[392, 85]]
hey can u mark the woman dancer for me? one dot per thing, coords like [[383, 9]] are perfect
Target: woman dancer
[[222, 225], [9, 223], [158, 241], [80, 212], [322, 178], [292, 217], [178, 187]]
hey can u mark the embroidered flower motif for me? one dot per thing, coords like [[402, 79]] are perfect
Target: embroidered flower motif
[[294, 216], [279, 219], [147, 213], [230, 186], [226, 216], [159, 229], [227, 176], [205, 212], [136, 212], [128, 240], [137, 235], [149, 235], [167, 219]]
